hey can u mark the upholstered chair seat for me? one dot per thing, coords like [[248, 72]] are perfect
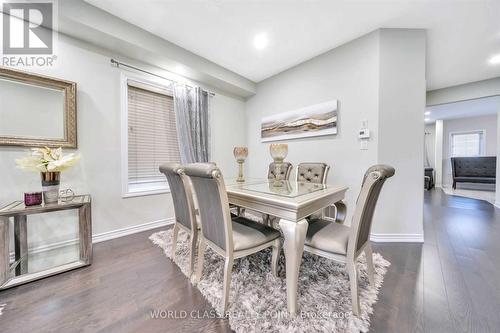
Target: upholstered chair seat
[[328, 236], [248, 233], [345, 244], [229, 239]]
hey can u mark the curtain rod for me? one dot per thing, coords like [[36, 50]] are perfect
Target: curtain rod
[[118, 64]]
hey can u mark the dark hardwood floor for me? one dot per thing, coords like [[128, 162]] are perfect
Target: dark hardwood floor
[[449, 284]]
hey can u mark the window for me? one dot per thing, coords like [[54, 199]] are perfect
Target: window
[[151, 137], [467, 144]]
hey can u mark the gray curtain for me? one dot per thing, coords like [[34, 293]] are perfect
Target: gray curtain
[[426, 150], [191, 106]]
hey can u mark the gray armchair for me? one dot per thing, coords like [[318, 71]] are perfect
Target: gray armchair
[[318, 173], [229, 238], [185, 214], [313, 172], [345, 244]]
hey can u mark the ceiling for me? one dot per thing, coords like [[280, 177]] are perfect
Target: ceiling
[[471, 108], [462, 35]]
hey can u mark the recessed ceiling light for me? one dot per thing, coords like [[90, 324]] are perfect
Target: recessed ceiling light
[[260, 41], [427, 113], [495, 60], [427, 119]]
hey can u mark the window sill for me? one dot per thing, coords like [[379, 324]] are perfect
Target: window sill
[[140, 192]]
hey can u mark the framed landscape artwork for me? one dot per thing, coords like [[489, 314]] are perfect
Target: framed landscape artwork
[[315, 120]]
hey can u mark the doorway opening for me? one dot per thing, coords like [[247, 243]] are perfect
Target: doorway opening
[[461, 147]]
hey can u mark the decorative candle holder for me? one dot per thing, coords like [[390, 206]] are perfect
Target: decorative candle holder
[[240, 153], [32, 199], [278, 152]]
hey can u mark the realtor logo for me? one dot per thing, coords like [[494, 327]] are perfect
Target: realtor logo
[[28, 33], [27, 28]]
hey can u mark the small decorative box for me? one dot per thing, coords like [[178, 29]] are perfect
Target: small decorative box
[[33, 198]]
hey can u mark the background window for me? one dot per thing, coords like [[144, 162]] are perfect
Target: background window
[[152, 136], [467, 144]]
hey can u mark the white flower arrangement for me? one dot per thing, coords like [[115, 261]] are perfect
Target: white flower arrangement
[[47, 160]]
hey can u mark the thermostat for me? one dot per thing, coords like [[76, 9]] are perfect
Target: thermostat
[[364, 133]]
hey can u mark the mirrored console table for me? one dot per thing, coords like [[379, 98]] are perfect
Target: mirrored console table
[[15, 271]]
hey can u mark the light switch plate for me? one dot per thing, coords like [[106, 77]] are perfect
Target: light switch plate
[[364, 144]]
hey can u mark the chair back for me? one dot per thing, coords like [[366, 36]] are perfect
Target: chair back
[[373, 180], [279, 171], [213, 204], [182, 195], [313, 172]]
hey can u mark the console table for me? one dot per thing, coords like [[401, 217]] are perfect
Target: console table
[[19, 212]]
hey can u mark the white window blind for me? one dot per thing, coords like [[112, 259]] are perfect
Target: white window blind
[[152, 136], [467, 144]]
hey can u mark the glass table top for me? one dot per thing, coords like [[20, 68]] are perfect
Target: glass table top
[[68, 203], [247, 181], [290, 189]]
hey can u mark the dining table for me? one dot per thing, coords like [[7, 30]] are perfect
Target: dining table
[[291, 202]]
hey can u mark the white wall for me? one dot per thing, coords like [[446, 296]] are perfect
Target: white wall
[[98, 172], [349, 74], [430, 144], [487, 123], [228, 131], [463, 92], [401, 133], [352, 74]]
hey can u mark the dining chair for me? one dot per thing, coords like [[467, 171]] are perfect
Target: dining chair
[[345, 244], [184, 207], [285, 169], [317, 172], [231, 238], [312, 172]]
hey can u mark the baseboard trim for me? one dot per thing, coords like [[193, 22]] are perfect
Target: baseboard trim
[[102, 237], [108, 235], [47, 247], [397, 238]]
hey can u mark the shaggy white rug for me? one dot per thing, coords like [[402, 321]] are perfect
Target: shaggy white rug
[[257, 301]]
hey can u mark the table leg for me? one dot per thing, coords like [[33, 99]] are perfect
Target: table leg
[[4, 250], [21, 243], [295, 235], [85, 232]]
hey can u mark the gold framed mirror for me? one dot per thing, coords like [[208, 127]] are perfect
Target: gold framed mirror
[[36, 110]]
